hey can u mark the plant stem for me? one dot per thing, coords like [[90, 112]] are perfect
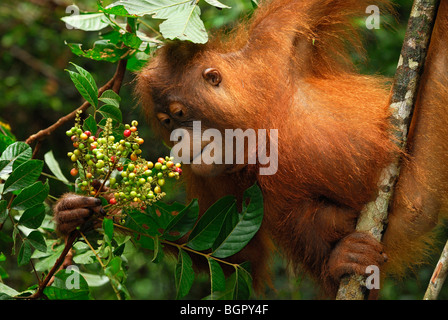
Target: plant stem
[[117, 293], [68, 245]]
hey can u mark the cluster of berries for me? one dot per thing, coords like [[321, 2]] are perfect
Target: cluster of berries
[[116, 160]]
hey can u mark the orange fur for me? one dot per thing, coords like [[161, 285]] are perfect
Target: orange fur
[[289, 68]]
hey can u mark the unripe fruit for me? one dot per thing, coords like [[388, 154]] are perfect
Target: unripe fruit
[[134, 123], [161, 182], [158, 165], [133, 129], [157, 189], [83, 136]]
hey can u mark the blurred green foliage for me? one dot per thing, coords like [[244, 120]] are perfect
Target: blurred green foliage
[[35, 92]]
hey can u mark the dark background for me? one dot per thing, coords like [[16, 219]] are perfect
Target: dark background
[[35, 91]]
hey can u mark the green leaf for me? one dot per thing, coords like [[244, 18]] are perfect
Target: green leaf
[[158, 252], [32, 218], [103, 50], [85, 84], [182, 17], [54, 167], [5, 141], [217, 278], [87, 22], [242, 285], [247, 226], [110, 97], [164, 213], [110, 111], [217, 4], [184, 274], [16, 153], [108, 227], [131, 40], [183, 23], [68, 285], [24, 255], [118, 10], [114, 270], [4, 289], [207, 228], [23, 175], [90, 125], [183, 222], [137, 61], [37, 240], [3, 211], [87, 257], [31, 196]]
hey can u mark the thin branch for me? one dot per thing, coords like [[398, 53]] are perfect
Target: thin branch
[[68, 245], [410, 67], [438, 277], [114, 83]]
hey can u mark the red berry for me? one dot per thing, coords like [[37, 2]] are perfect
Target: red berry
[[74, 172], [120, 168], [88, 133], [127, 133], [161, 160], [179, 170], [113, 159], [133, 129], [113, 201]]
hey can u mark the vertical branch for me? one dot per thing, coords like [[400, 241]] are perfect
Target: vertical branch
[[438, 277], [404, 92]]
